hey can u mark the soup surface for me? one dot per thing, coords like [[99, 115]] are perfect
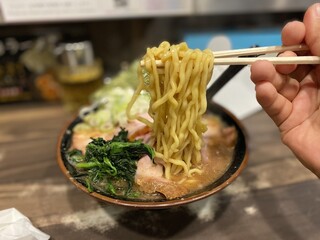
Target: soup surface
[[149, 181]]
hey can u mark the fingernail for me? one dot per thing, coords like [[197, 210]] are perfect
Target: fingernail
[[317, 9]]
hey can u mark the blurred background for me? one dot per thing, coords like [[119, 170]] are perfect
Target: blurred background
[[63, 50]]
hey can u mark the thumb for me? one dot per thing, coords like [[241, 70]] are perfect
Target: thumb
[[312, 23]]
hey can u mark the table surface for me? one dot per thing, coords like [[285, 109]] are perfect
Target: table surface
[[274, 198]]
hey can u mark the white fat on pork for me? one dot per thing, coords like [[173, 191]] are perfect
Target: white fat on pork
[[81, 140], [139, 130], [149, 177], [217, 134], [135, 128]]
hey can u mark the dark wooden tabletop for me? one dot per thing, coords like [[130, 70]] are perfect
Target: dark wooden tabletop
[[274, 198]]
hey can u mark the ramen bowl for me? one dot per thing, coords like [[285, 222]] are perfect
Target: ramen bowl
[[237, 164]]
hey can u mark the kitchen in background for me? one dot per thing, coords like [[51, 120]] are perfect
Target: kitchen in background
[[48, 45]]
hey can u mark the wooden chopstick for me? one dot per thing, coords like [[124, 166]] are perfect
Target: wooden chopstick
[[274, 60], [225, 57], [259, 50]]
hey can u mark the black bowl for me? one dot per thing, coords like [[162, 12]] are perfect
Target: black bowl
[[238, 162]]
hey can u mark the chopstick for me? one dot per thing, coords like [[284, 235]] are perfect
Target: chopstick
[[274, 60], [259, 50], [225, 57]]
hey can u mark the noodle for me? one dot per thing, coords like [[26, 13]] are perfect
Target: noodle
[[178, 101]]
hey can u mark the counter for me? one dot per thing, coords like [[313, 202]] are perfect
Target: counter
[[274, 198]]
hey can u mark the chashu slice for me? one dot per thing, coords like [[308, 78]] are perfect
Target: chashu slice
[[149, 177]]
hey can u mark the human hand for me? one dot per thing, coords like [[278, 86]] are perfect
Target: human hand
[[290, 94]]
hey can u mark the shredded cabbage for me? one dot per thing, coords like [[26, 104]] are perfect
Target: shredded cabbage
[[113, 113]]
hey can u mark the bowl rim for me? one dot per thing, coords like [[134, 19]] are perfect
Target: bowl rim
[[166, 203]]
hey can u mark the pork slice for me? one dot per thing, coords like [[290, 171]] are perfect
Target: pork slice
[[149, 177], [230, 135], [219, 134], [214, 129], [137, 129], [81, 140]]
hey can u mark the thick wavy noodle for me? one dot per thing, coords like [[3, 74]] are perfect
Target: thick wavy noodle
[[177, 104]]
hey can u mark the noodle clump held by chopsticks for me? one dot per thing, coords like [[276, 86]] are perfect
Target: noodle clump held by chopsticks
[[177, 104]]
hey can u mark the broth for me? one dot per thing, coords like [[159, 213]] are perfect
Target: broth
[[217, 153]]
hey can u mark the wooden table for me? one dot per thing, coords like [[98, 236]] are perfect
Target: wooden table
[[274, 198]]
